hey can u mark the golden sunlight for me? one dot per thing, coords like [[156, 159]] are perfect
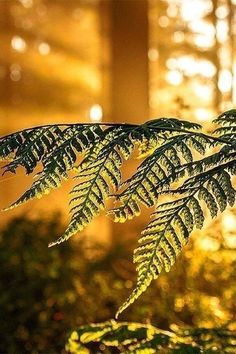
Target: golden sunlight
[[95, 113]]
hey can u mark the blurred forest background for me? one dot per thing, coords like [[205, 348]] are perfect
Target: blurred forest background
[[108, 60]]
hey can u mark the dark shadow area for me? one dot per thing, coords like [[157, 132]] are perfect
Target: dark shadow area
[[45, 293]]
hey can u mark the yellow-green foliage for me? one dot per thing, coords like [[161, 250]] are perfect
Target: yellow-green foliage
[[171, 166], [135, 338]]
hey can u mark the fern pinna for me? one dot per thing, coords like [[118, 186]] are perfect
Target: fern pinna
[[190, 172]]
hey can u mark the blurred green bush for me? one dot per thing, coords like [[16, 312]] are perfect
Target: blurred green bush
[[134, 338], [45, 293]]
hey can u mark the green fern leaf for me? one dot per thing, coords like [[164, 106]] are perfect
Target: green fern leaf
[[28, 147], [226, 118], [171, 166], [57, 162], [100, 175], [227, 122], [156, 172], [158, 243], [164, 237]]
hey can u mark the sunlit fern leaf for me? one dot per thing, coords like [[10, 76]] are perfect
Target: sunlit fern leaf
[[183, 148], [172, 123], [38, 144], [226, 118], [172, 223], [56, 163], [151, 175], [224, 131], [43, 185], [101, 169], [218, 193], [160, 243], [224, 179], [156, 131], [96, 178], [226, 155], [171, 166], [207, 197], [9, 144], [227, 123], [28, 147]]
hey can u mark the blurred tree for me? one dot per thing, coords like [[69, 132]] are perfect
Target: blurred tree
[[126, 24], [197, 62], [45, 71]]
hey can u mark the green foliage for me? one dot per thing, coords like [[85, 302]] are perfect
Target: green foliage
[[44, 294], [36, 289], [135, 338], [172, 168]]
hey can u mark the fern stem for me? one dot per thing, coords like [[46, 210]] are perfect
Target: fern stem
[[214, 138], [209, 174], [128, 125]]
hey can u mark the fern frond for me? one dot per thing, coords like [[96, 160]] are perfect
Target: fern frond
[[156, 172], [28, 147], [227, 123], [172, 222], [226, 118], [171, 165], [98, 174], [160, 243], [57, 158], [102, 173], [172, 124], [43, 185]]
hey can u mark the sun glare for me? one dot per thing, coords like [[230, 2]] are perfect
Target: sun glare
[[174, 77], [229, 221], [203, 91], [44, 48], [225, 80], [95, 113], [18, 44], [191, 9], [202, 114]]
